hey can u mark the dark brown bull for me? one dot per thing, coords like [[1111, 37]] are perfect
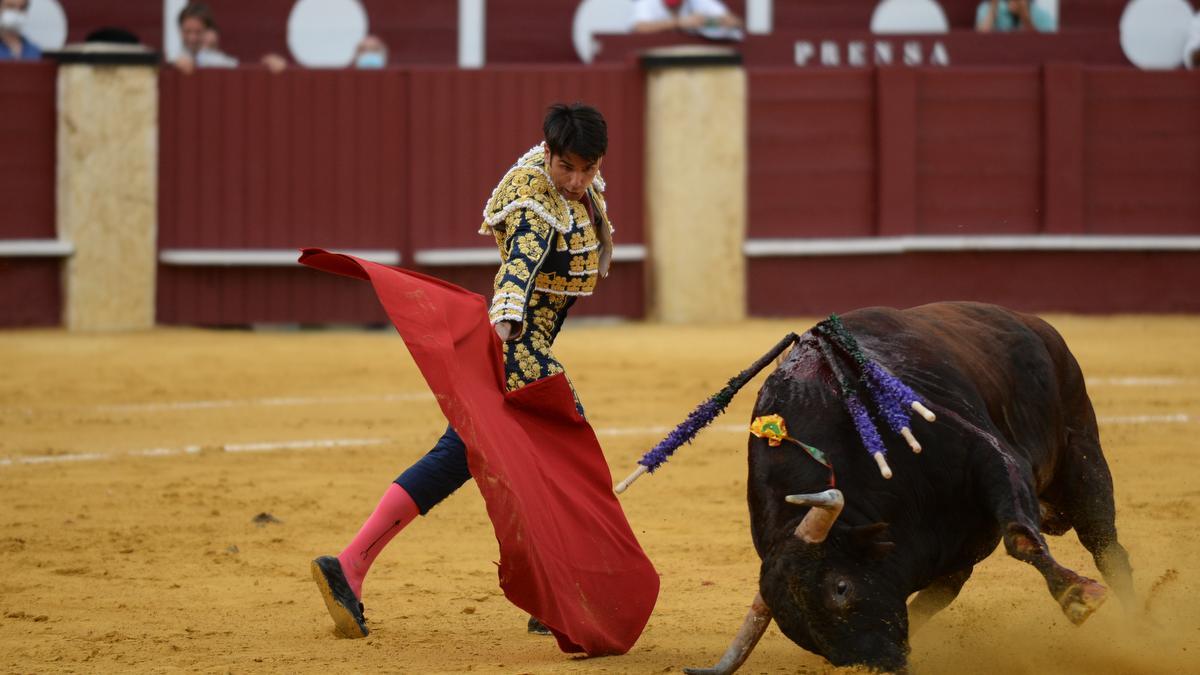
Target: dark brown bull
[[1014, 452]]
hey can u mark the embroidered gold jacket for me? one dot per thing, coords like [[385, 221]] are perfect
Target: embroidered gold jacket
[[547, 243]]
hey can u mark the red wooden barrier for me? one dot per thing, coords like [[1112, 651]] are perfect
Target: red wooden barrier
[[27, 136], [978, 158], [1060, 150], [29, 286], [394, 160], [469, 126], [254, 160], [1064, 149], [1142, 151], [1102, 282], [812, 153]]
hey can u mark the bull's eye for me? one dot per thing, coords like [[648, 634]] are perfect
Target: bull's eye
[[839, 594]]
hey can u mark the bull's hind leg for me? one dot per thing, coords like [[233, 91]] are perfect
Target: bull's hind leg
[[1005, 480], [1084, 493]]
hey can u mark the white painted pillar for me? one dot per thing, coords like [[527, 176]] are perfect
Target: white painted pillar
[[472, 31], [107, 185], [759, 16], [696, 184]]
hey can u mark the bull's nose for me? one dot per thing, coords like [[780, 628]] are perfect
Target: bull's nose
[[877, 654]]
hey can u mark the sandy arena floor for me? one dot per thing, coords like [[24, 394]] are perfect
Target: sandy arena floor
[[131, 467]]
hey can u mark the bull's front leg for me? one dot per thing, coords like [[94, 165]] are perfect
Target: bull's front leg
[[752, 630], [1078, 595], [1004, 479], [935, 597]]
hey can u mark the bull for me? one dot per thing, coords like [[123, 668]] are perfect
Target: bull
[[1014, 453]]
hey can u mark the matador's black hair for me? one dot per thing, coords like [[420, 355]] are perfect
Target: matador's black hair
[[576, 128]]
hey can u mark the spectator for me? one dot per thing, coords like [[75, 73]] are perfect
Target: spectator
[[371, 53], [13, 45], [210, 54], [201, 39], [707, 18], [1003, 16], [1191, 51]]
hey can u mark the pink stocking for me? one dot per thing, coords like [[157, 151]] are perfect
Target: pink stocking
[[395, 511]]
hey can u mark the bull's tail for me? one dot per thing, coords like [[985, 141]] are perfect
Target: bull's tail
[[704, 414]]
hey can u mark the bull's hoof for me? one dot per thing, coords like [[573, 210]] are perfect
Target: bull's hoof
[[701, 671], [1082, 599]]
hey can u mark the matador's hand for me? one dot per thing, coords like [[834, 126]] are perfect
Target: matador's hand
[[507, 330]]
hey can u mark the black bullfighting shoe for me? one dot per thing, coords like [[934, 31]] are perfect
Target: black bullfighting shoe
[[346, 610], [537, 627]]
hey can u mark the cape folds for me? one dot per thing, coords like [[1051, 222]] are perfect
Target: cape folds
[[567, 554]]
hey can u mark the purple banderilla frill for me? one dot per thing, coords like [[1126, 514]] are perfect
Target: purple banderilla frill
[[699, 418], [892, 396], [862, 422], [703, 415]]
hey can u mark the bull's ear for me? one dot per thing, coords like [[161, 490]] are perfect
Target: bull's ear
[[872, 540]]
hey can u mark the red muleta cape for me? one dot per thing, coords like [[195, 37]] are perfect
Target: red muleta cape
[[567, 553]]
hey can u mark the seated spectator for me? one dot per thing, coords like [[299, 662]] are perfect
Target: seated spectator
[[210, 54], [201, 42], [1002, 16], [13, 45], [707, 18], [371, 52]]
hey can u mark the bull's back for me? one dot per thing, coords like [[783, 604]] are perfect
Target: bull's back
[[1008, 372]]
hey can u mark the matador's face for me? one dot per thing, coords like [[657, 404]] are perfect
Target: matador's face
[[572, 174]]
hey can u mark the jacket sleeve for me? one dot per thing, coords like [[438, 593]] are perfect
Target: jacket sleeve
[[527, 244]]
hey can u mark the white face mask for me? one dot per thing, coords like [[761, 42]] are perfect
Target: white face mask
[[12, 20]]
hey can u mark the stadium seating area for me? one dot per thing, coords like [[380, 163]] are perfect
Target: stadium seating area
[[1040, 138]]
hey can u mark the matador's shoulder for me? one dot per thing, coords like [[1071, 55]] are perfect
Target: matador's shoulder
[[527, 186]]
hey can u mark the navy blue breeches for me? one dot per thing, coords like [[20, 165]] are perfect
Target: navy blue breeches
[[441, 471], [438, 474]]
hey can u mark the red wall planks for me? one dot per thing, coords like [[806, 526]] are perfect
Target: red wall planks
[[978, 151], [812, 153], [1142, 151], [1061, 149], [1091, 282], [30, 293], [396, 159], [216, 296], [27, 135], [469, 126], [255, 160]]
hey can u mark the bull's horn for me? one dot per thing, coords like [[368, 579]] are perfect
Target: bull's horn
[[924, 412], [748, 635], [827, 506]]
